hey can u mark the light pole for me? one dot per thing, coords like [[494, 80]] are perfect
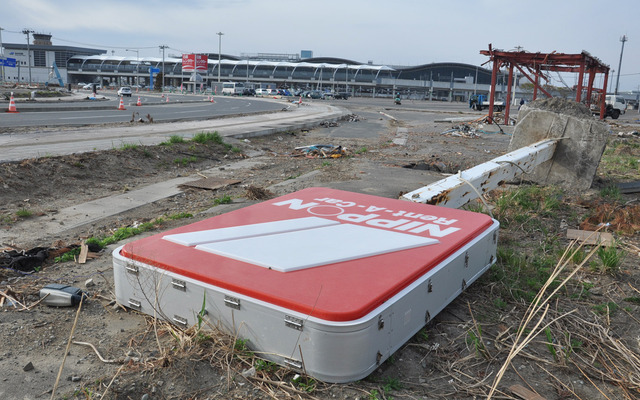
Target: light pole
[[164, 46], [27, 32], [219, 52], [622, 39], [137, 64], [2, 53]]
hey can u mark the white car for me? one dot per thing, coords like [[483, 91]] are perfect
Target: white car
[[124, 91], [89, 86]]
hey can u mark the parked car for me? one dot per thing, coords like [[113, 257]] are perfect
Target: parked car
[[342, 95], [248, 92], [315, 94], [124, 91], [89, 86], [328, 95], [262, 92]]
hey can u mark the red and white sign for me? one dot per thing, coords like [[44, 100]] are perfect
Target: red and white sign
[[194, 62], [331, 254]]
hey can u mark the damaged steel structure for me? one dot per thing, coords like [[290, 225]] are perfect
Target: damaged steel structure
[[533, 65]]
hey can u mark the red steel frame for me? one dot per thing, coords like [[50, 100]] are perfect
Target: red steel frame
[[534, 63]]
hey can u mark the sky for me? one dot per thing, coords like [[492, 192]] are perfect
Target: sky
[[400, 32]]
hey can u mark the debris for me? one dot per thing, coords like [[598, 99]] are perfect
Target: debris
[[329, 124], [211, 183], [258, 193], [629, 187], [28, 367], [89, 283], [84, 249], [24, 260], [322, 151], [59, 295], [525, 393], [590, 237]]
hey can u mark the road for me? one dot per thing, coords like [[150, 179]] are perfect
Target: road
[[179, 108]]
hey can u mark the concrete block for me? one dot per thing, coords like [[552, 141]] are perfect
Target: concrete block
[[578, 153]]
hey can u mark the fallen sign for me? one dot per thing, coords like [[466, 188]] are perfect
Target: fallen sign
[[325, 282], [322, 151]]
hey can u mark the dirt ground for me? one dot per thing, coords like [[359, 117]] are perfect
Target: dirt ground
[[591, 353]]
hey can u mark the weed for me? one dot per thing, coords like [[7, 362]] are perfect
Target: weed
[[128, 146], [611, 258], [181, 215], [235, 149], [203, 138], [24, 213], [240, 345], [423, 334], [606, 308], [265, 366], [146, 153], [175, 139], [476, 341], [362, 150], [185, 160], [226, 199], [611, 192], [202, 312], [325, 164], [78, 164], [374, 395], [501, 304], [634, 300], [306, 384], [550, 343], [391, 384]]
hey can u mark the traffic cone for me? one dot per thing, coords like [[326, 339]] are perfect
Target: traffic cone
[[212, 100], [12, 105], [139, 103], [121, 106], [167, 98], [300, 100]]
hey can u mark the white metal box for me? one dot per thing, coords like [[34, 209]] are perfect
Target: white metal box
[[326, 282]]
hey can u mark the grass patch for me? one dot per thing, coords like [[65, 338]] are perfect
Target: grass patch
[[222, 200], [184, 161], [208, 137], [524, 203], [128, 146], [24, 213], [173, 139]]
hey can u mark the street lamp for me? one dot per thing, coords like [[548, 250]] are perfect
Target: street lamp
[[622, 39], [219, 52], [137, 64]]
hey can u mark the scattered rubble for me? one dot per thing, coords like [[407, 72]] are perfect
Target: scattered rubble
[[321, 151]]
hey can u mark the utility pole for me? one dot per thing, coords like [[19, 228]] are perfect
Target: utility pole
[[622, 39], [164, 46], [2, 54], [27, 32], [219, 52]]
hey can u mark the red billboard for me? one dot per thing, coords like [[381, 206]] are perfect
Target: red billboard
[[194, 62]]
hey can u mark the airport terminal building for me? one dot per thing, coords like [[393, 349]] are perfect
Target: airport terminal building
[[437, 81]]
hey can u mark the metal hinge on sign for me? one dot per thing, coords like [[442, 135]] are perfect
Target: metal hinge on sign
[[429, 286], [293, 363], [132, 269], [466, 260], [380, 323], [427, 316], [179, 320], [464, 284], [232, 302], [293, 322], [134, 304], [178, 284]]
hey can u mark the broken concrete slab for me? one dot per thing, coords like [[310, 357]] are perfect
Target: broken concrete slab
[[577, 155]]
